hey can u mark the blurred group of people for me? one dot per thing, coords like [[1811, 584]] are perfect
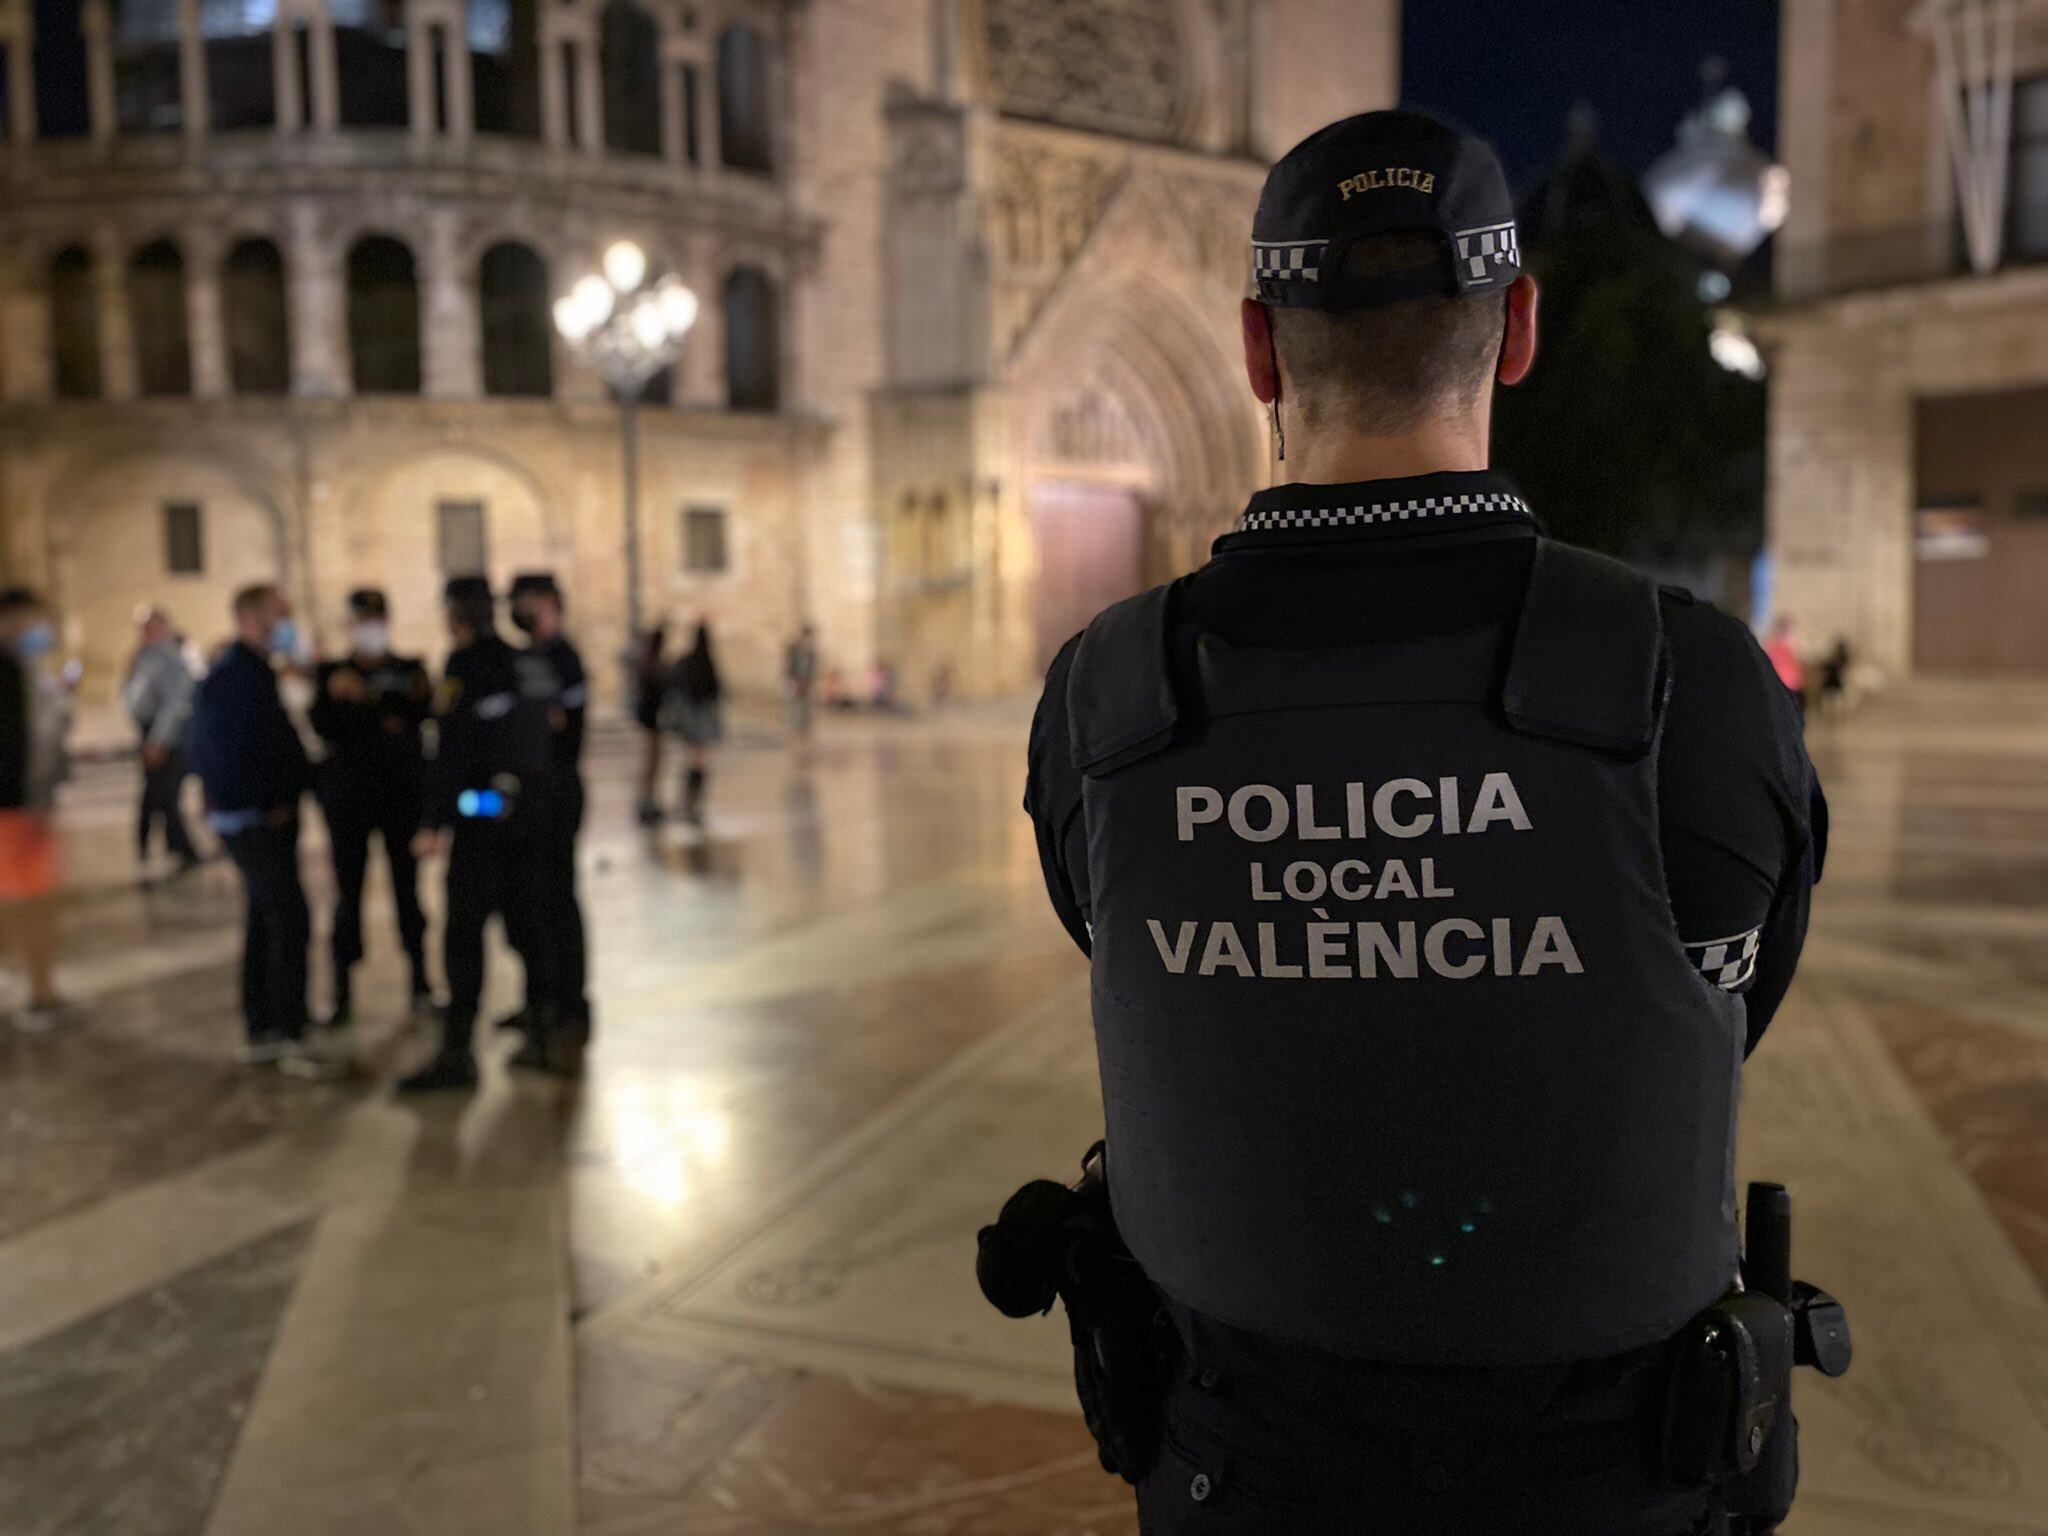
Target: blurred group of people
[[482, 769], [683, 696]]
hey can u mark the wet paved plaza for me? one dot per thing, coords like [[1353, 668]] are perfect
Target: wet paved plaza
[[725, 1286]]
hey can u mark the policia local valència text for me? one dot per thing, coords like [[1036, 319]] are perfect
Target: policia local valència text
[[1330, 950]]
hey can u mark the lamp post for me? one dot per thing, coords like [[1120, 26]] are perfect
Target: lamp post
[[628, 326]]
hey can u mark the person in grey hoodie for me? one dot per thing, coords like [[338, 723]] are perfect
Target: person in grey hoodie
[[158, 695]]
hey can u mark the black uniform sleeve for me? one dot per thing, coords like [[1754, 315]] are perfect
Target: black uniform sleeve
[[418, 702], [326, 714], [1743, 819], [455, 745], [1052, 798], [575, 700]]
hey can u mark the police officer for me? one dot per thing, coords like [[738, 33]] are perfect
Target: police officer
[[368, 707], [487, 786], [557, 1026], [1435, 879]]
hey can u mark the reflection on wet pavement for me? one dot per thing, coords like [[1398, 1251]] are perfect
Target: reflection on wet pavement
[[725, 1284]]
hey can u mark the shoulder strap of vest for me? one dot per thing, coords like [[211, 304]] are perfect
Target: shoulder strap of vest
[[1120, 699], [1587, 666]]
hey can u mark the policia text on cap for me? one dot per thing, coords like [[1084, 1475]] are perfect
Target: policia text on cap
[[1436, 879]]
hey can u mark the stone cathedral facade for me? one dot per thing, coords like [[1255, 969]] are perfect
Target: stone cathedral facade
[[275, 279]]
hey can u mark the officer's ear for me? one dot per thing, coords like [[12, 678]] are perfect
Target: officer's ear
[[1260, 366], [1518, 338]]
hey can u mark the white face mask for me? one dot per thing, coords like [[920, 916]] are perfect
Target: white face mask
[[370, 639]]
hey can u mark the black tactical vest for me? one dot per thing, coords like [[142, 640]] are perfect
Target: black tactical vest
[[1402, 1056]]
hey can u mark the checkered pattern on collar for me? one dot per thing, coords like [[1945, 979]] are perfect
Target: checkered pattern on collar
[[1426, 500]]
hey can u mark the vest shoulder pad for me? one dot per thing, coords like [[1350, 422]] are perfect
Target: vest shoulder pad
[[1120, 700], [1587, 661]]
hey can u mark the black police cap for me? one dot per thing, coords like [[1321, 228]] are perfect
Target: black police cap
[[368, 603], [1382, 173], [469, 590], [536, 584]]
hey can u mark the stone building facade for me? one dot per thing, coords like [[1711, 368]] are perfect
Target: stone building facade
[[1909, 336], [275, 280]]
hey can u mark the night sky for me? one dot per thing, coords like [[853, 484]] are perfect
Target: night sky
[[1512, 69]]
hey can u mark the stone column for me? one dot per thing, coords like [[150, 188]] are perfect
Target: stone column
[[704, 361], [326, 114], [317, 303], [117, 336], [98, 25], [452, 368], [205, 329], [284, 57], [459, 80], [554, 91], [420, 85], [24, 330], [193, 89], [673, 142], [707, 112], [19, 35], [589, 94]]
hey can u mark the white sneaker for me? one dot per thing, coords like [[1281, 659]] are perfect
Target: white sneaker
[[258, 1053], [47, 1018]]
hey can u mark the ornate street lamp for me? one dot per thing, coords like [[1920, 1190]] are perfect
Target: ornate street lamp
[[628, 327]]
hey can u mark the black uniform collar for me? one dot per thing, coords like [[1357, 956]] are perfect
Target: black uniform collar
[[1414, 504]]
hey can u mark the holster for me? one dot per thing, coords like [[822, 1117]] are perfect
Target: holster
[[1728, 1413], [1058, 1242]]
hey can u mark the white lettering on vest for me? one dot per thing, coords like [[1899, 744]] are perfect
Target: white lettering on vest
[[1497, 801], [1383, 808], [1195, 804]]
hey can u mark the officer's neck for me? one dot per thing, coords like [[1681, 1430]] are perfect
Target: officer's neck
[[1440, 445]]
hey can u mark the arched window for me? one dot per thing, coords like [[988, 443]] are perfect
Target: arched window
[[241, 74], [753, 342], [147, 94], [629, 55], [369, 57], [504, 66], [74, 326], [156, 317], [383, 318], [518, 330], [63, 98], [252, 303], [745, 114]]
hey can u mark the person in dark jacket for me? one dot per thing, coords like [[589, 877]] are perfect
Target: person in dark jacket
[[555, 1038], [368, 707], [254, 769], [651, 679], [699, 695], [487, 790]]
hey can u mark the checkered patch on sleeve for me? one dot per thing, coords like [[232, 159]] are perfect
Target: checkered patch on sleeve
[[1730, 963]]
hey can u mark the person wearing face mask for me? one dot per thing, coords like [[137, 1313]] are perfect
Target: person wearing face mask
[[253, 768], [556, 1034], [368, 707], [34, 718]]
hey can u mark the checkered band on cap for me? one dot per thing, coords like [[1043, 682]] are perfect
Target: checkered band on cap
[[1296, 260], [1487, 254], [1729, 963], [1261, 519]]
